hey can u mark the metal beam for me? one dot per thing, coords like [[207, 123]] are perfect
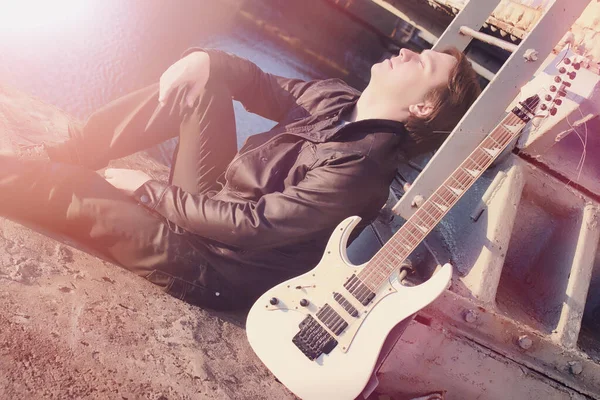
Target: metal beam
[[494, 41], [473, 15], [489, 108], [429, 31], [569, 325]]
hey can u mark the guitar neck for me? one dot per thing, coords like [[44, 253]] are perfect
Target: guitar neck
[[429, 214]]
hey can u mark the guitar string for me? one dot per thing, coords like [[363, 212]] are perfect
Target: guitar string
[[480, 161], [463, 180], [448, 198], [366, 279], [379, 259]]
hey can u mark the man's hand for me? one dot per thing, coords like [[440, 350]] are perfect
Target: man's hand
[[192, 70], [128, 180]]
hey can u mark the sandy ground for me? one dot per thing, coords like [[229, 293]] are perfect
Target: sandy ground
[[73, 326]]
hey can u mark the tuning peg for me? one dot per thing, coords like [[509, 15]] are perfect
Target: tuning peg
[[553, 111], [557, 79], [572, 75], [548, 97], [562, 70], [558, 102], [576, 65], [543, 107], [553, 88], [567, 61]]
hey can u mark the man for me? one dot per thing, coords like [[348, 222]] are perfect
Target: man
[[228, 227]]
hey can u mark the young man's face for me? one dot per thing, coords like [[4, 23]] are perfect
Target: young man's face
[[409, 76]]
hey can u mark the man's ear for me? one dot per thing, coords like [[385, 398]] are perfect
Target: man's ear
[[421, 110]]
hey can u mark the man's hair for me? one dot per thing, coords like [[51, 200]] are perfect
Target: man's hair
[[450, 102]]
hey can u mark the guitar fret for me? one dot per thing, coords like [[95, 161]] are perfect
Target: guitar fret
[[479, 165], [423, 207], [455, 191], [460, 183], [431, 212], [492, 152], [512, 129], [472, 172], [494, 140], [408, 229], [441, 207], [422, 220]]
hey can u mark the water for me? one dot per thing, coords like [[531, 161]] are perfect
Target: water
[[79, 55]]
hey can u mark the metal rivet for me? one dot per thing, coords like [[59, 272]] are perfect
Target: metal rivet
[[525, 342], [575, 367], [530, 55], [144, 198], [470, 316], [418, 201], [217, 294]]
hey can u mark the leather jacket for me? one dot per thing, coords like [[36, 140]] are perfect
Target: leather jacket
[[288, 188]]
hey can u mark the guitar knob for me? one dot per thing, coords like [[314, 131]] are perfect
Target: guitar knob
[[274, 301], [304, 303]]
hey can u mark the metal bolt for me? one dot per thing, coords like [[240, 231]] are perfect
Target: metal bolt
[[470, 316], [525, 342], [418, 201], [530, 55], [575, 367]]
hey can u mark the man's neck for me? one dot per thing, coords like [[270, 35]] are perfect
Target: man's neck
[[368, 107]]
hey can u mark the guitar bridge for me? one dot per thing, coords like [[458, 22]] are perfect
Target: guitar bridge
[[313, 340]]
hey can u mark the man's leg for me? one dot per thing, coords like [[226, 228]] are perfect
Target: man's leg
[[78, 203], [136, 122]]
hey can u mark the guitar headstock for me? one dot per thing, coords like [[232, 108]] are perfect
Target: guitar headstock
[[545, 93]]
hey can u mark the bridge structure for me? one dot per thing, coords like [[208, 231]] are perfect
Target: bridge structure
[[521, 319]]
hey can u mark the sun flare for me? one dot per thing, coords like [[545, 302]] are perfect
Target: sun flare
[[32, 15]]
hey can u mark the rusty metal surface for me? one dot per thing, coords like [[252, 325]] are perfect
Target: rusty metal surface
[[511, 20]]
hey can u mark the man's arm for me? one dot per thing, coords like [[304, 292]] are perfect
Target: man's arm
[[261, 93], [324, 198]]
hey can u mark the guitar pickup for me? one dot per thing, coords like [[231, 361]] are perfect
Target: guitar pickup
[[341, 300]]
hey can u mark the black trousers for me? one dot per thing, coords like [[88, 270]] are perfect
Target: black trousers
[[68, 197]]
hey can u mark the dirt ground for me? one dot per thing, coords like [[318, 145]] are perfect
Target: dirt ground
[[73, 326]]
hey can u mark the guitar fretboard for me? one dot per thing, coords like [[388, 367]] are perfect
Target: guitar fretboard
[[408, 237]]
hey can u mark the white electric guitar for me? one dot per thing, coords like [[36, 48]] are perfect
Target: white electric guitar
[[321, 334]]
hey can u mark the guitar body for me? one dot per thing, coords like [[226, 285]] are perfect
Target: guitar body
[[344, 371]]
